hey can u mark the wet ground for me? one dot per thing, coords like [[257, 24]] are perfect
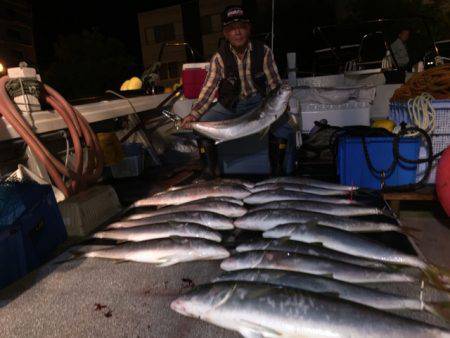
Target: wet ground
[[100, 298]]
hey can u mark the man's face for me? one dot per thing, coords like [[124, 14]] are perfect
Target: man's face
[[404, 35], [237, 33]]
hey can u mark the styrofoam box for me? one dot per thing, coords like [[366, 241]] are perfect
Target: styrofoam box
[[348, 114]]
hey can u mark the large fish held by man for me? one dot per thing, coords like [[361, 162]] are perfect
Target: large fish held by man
[[251, 123]]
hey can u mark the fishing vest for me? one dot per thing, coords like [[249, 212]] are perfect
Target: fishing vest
[[230, 86]]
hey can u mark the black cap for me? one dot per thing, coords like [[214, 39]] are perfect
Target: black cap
[[233, 14]]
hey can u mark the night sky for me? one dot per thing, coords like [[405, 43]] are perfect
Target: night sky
[[119, 20]]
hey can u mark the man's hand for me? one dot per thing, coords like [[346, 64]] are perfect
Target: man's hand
[[186, 122]]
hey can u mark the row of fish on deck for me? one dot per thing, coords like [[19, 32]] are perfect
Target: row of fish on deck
[[308, 275]]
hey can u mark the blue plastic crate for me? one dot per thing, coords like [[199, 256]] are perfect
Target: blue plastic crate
[[28, 238], [398, 112], [353, 168]]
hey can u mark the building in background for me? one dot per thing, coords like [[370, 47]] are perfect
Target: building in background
[[16, 32], [197, 23]]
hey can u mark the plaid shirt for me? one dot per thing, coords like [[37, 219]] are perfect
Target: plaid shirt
[[217, 73]]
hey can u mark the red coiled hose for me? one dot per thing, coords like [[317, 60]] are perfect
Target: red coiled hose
[[80, 133]]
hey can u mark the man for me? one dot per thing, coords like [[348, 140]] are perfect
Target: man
[[241, 73], [399, 49]]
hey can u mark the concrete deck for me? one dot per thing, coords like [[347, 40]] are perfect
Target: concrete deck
[[100, 298]]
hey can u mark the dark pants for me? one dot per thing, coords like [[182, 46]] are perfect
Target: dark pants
[[280, 129]]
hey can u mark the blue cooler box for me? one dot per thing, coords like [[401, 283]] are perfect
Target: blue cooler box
[[31, 227], [353, 168]]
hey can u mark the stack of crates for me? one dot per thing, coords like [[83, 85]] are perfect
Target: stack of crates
[[440, 137], [31, 228]]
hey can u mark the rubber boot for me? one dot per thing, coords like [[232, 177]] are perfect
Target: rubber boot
[[208, 156], [277, 151]]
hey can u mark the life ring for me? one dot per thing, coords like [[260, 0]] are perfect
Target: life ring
[[443, 180]]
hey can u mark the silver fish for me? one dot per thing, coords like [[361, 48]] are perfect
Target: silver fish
[[163, 251], [344, 241], [298, 187], [267, 196], [263, 310], [321, 266], [223, 208], [190, 194], [308, 181], [262, 220], [162, 230], [206, 218], [331, 287], [323, 208], [216, 181], [306, 249], [250, 123]]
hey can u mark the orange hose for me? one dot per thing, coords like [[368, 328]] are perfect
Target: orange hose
[[79, 130]]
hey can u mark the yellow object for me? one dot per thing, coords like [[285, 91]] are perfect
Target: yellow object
[[125, 85], [389, 125], [111, 148], [135, 83], [168, 90]]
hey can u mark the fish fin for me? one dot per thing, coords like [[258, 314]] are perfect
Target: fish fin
[[259, 292], [121, 261], [331, 294], [248, 333], [165, 261], [312, 223], [264, 132], [75, 256], [328, 275], [440, 309], [438, 276], [410, 232], [254, 330]]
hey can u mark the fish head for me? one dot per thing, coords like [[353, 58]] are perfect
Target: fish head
[[201, 301], [279, 99], [210, 250]]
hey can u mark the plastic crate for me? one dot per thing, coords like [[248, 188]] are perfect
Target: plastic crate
[[28, 239], [132, 164], [353, 168], [398, 112], [440, 142]]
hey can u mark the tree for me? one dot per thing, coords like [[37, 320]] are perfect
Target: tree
[[87, 64]]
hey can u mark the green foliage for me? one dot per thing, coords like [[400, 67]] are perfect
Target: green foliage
[[88, 64]]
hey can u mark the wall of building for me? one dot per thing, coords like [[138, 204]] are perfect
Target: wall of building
[[16, 33], [157, 27], [166, 25]]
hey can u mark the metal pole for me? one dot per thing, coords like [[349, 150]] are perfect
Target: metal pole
[[273, 20]]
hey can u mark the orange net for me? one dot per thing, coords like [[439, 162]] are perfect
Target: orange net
[[435, 81]]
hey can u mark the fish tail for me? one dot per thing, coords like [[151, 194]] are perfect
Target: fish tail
[[438, 276], [440, 309], [410, 232], [75, 256]]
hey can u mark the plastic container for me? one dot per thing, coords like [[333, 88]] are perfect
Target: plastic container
[[398, 111], [353, 168], [440, 142], [348, 114], [28, 239], [193, 76], [132, 164]]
